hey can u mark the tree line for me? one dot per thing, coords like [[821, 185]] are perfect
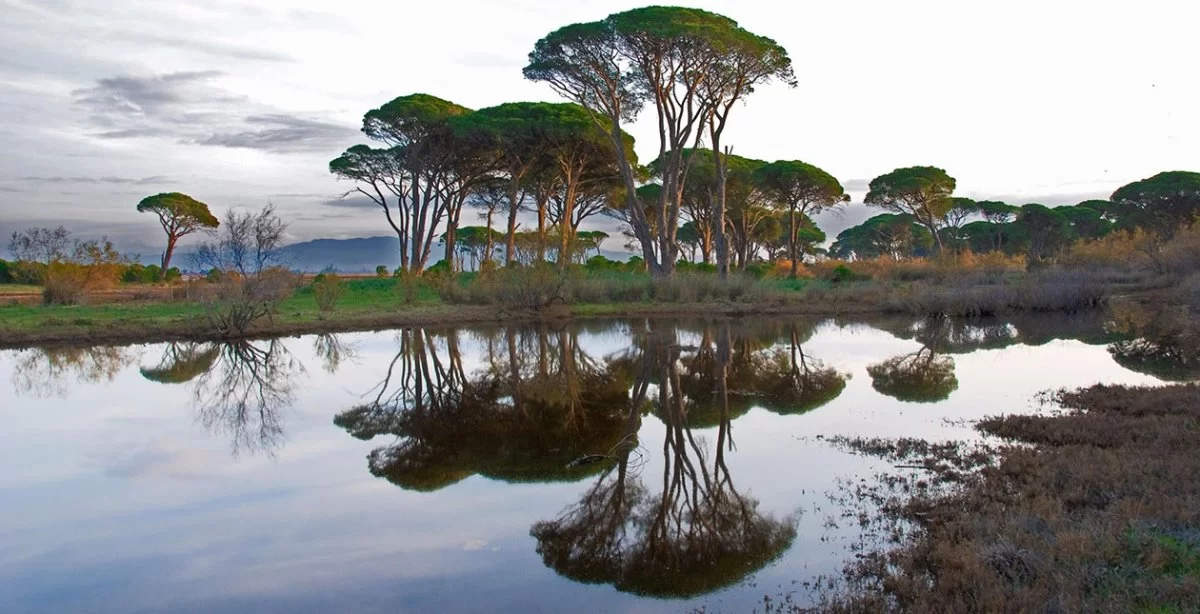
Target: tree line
[[567, 162]]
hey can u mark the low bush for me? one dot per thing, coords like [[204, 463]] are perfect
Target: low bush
[[28, 273], [327, 290], [235, 301], [5, 272], [1051, 289], [138, 273], [1181, 254], [1121, 249], [541, 286], [381, 271]]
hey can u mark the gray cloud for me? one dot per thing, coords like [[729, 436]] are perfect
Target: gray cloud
[[216, 49], [155, 180], [186, 107], [282, 132], [115, 99], [352, 201]]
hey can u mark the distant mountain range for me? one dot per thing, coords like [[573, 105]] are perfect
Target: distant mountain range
[[344, 255]]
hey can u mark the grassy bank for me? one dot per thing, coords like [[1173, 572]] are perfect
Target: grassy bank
[[545, 292], [1093, 509]]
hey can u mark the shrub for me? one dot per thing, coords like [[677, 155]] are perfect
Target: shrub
[[137, 273], [236, 301], [760, 270], [5, 273], [248, 283], [381, 271], [327, 290], [93, 265], [841, 273], [535, 287], [29, 273], [600, 263], [65, 284], [1181, 255], [407, 286]]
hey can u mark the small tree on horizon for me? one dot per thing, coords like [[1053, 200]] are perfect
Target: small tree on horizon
[[180, 215], [920, 191]]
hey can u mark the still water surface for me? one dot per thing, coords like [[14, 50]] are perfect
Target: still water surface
[[635, 466]]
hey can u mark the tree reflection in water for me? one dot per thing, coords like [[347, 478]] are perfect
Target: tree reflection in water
[[761, 371], [924, 376], [333, 350], [49, 372], [182, 363], [240, 388], [541, 408], [539, 402], [698, 533], [245, 391]]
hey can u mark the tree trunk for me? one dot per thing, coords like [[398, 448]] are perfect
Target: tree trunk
[[166, 258], [564, 249], [637, 215], [510, 248], [451, 237], [792, 242]]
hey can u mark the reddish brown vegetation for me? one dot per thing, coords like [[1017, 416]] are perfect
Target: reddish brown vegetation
[[1100, 513]]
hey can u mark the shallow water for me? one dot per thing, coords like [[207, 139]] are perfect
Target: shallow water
[[645, 465]]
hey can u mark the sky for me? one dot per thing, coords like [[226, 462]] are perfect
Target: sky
[[243, 103]]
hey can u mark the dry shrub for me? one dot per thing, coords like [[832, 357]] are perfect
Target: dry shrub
[[327, 290], [991, 263], [535, 287], [1097, 509], [1122, 249], [943, 267], [408, 286], [981, 294], [1181, 254], [94, 265], [541, 286], [782, 269], [234, 302]]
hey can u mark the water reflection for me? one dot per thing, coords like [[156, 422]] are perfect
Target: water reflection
[[182, 363], [50, 372], [1163, 340], [332, 350], [664, 441], [698, 533], [927, 375], [244, 392], [1160, 358], [240, 388], [539, 402]]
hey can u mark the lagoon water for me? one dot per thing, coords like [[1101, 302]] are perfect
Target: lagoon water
[[626, 465]]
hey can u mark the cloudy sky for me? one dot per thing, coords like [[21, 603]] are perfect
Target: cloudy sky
[[243, 103]]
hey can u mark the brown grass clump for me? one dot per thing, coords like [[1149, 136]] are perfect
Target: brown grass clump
[[1101, 513], [1121, 249]]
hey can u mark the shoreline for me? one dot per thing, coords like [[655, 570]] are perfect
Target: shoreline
[[129, 333]]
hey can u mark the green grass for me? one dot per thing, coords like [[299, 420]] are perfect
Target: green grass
[[363, 298]]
